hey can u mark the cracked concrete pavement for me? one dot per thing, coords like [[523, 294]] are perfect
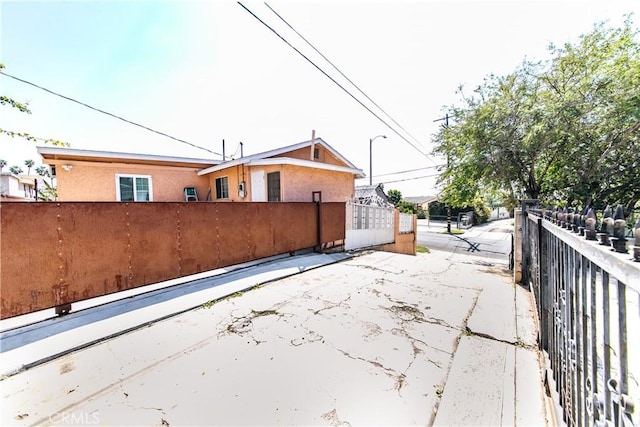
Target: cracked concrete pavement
[[379, 339]]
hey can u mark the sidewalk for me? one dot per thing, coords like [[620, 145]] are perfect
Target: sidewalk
[[377, 339]]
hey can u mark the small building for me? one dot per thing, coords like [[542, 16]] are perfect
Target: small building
[[421, 201], [87, 175], [20, 188], [288, 174]]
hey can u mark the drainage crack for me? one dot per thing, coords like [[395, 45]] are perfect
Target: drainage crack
[[371, 267], [458, 287], [244, 324], [516, 343], [311, 337], [398, 378], [331, 305], [417, 350]]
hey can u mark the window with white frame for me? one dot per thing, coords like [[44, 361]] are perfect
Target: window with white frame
[[134, 188], [222, 188]]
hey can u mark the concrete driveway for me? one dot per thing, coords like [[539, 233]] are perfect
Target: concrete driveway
[[367, 341]]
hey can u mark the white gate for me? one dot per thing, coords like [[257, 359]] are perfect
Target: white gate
[[368, 226]]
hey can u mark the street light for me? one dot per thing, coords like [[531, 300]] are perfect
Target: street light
[[371, 157]]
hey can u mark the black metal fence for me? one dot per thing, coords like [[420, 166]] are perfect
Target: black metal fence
[[587, 290]]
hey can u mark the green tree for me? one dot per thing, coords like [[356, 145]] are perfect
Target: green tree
[[49, 193], [406, 207], [29, 164], [561, 130], [394, 196], [4, 100], [16, 170], [43, 171]]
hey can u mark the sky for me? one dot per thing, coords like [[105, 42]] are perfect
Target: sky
[[204, 72]]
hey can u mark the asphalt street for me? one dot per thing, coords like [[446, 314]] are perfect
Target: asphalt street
[[491, 240]]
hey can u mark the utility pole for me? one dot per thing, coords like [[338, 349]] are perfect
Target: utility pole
[[446, 125], [446, 120]]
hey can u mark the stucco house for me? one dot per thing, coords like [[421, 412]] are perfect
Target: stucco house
[[87, 175], [19, 187], [421, 201], [288, 174]]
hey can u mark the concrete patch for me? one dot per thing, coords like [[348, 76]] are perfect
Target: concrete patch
[[526, 317], [530, 408], [480, 386], [494, 314]]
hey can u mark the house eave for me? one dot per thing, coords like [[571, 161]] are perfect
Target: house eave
[[282, 150], [283, 161], [308, 164], [70, 154]]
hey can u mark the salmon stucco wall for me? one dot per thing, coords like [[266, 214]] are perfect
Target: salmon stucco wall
[[89, 181], [324, 155], [234, 177], [299, 182], [403, 243], [296, 183]]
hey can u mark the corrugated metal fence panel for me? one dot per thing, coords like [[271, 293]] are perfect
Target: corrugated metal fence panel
[[368, 226], [58, 253], [406, 223], [150, 240], [197, 233], [293, 226], [22, 284], [333, 222]]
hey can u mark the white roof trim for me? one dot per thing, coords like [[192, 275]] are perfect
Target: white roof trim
[[61, 151], [224, 165], [284, 161], [307, 164], [281, 150]]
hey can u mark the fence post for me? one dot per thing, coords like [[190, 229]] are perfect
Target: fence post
[[526, 250], [517, 246], [317, 198], [636, 246], [542, 282]]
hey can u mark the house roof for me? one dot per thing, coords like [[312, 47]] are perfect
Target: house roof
[[420, 199], [267, 158], [372, 195], [70, 154]]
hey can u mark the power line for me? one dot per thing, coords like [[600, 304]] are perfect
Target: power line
[[411, 179], [109, 114], [334, 81], [342, 74], [408, 170]]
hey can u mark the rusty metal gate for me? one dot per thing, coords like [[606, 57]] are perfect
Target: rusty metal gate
[[53, 254]]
